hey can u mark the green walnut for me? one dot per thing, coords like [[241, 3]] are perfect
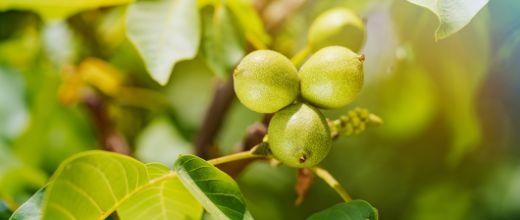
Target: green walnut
[[265, 81], [299, 136], [332, 77], [338, 26]]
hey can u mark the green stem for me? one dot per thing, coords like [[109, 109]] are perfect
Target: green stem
[[329, 179], [298, 59], [234, 157]]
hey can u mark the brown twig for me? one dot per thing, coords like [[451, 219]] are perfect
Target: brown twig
[[254, 135], [215, 115], [109, 137]]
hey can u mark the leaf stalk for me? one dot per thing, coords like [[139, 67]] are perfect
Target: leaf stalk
[[332, 182]]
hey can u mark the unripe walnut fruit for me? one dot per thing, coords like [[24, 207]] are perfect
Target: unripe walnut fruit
[[299, 136], [265, 81], [332, 77], [338, 26]]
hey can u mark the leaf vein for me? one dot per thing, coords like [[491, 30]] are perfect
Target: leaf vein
[[84, 194]]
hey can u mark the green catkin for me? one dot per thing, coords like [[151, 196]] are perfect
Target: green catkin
[[354, 122]]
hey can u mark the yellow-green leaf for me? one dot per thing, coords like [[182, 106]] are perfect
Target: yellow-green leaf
[[58, 9], [166, 200], [93, 184], [90, 185], [250, 22]]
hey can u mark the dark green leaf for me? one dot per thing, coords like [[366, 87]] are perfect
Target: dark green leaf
[[4, 210], [215, 190], [353, 210]]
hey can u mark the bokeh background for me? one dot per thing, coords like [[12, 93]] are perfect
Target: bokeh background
[[449, 147]]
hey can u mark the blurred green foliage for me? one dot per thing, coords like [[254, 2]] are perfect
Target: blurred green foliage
[[449, 148]]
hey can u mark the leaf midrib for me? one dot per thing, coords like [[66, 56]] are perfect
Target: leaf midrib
[[169, 175]]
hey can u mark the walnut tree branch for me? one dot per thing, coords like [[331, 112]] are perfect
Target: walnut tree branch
[[224, 94], [110, 139], [214, 117]]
